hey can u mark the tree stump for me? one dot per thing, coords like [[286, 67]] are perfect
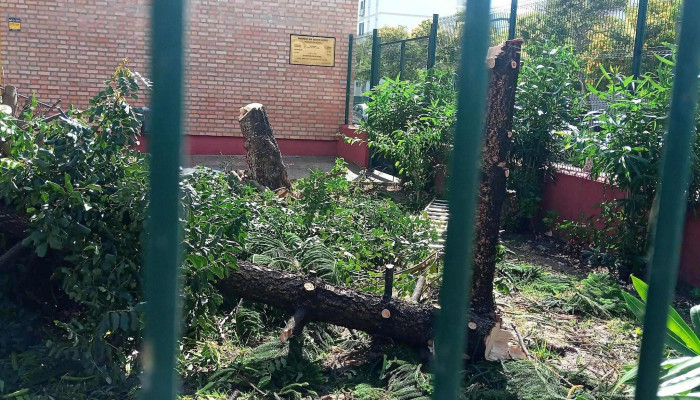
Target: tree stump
[[504, 64], [9, 98], [262, 152]]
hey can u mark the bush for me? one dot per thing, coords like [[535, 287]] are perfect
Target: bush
[[625, 149], [411, 123], [549, 100], [84, 189]]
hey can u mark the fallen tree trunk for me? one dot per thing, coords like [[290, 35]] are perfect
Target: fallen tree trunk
[[261, 150], [404, 322]]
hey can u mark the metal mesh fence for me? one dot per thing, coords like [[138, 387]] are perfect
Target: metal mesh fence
[[601, 32]]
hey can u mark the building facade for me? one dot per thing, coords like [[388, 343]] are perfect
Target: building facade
[[237, 52], [374, 14]]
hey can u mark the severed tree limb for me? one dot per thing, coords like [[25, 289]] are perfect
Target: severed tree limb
[[418, 290], [402, 321], [295, 325], [7, 259], [504, 64]]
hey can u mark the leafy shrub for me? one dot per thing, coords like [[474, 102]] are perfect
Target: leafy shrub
[[625, 150], [679, 375], [548, 100], [411, 123], [84, 189]]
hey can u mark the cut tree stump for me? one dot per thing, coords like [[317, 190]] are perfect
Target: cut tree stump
[[504, 64], [261, 150]]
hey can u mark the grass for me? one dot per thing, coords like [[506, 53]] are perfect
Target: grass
[[576, 329]]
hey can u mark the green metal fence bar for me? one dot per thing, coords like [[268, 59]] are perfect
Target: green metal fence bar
[[348, 82], [402, 60], [162, 266], [671, 196], [451, 326], [432, 41], [512, 21], [640, 34], [376, 59]]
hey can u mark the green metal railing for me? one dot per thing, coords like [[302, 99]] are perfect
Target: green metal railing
[[163, 247]]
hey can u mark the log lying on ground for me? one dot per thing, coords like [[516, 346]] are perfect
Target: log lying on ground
[[261, 150], [404, 322]]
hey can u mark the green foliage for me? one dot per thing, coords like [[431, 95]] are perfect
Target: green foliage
[[84, 189], [548, 100], [679, 375], [625, 150], [411, 123]]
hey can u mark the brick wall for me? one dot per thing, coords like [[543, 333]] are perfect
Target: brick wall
[[237, 53]]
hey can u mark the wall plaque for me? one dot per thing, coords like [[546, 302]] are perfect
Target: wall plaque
[[15, 24], [312, 50]]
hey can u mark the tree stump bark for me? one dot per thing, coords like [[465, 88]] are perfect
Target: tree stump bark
[[504, 63], [262, 152], [9, 98], [311, 299]]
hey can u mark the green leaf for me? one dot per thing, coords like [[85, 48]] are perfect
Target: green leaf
[[42, 249], [114, 318], [695, 319], [682, 338], [124, 321], [68, 184], [635, 305], [55, 187], [680, 378], [218, 270], [264, 381]]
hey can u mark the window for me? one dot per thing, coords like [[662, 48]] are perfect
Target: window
[[361, 29], [362, 8]]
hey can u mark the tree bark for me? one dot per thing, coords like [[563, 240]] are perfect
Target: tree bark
[[404, 322], [504, 63], [9, 98], [262, 152]]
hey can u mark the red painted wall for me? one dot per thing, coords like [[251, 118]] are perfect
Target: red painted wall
[[357, 153], [571, 195]]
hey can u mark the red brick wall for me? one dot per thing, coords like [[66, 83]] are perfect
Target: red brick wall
[[237, 53]]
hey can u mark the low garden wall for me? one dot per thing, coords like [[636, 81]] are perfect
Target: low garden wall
[[572, 194], [357, 153]]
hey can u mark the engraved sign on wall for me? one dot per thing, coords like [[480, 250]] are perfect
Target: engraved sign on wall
[[15, 24], [312, 50]]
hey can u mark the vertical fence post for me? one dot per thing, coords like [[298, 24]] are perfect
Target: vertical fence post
[[402, 60], [639, 35], [348, 82], [376, 59], [671, 199], [455, 292], [432, 41], [513, 19], [162, 261]]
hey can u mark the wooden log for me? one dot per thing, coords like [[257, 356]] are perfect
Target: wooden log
[[418, 290], [295, 325], [402, 321], [8, 258], [388, 282], [504, 63], [262, 152]]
